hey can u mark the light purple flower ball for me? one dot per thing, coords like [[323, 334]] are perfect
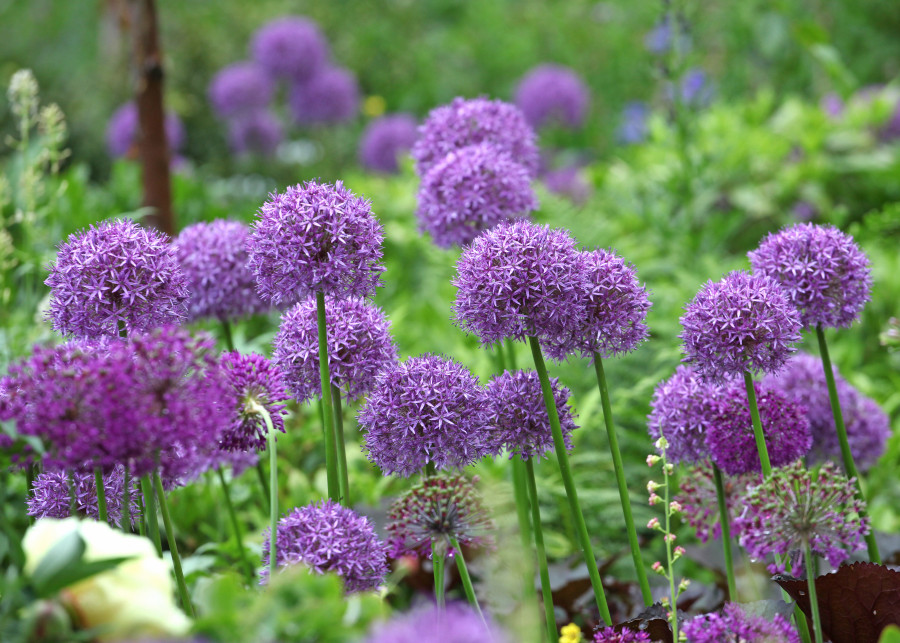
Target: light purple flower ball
[[115, 274], [569, 182], [427, 409], [633, 127], [551, 94], [327, 537], [50, 496], [733, 624], [359, 340], [214, 260], [824, 273], [315, 237], [240, 89], [741, 323], [469, 122], [258, 132], [470, 190], [254, 380], [455, 623], [385, 140], [682, 409], [331, 95], [122, 131], [291, 47]]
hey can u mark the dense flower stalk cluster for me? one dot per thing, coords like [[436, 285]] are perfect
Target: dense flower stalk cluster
[[625, 635], [455, 623], [115, 275], [698, 500], [681, 409], [734, 625], [329, 96], [315, 237], [292, 47], [240, 89], [427, 409], [50, 497], [359, 347], [553, 94], [254, 380], [327, 537], [824, 273], [122, 131], [385, 140]]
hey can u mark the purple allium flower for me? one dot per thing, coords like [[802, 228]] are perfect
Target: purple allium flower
[[469, 122], [518, 416], [115, 274], [214, 260], [697, 496], [609, 635], [832, 104], [455, 623], [122, 131], [823, 272], [331, 95], [327, 537], [359, 347], [290, 47], [315, 237], [804, 211], [254, 381], [385, 139], [553, 94], [518, 280], [470, 190], [868, 427], [695, 89], [181, 467], [438, 509], [50, 497], [240, 89], [258, 132], [569, 182], [633, 127], [795, 506], [681, 409], [426, 409], [729, 435], [734, 625], [741, 323]]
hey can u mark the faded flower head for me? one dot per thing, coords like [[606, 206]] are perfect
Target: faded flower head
[[734, 625], [385, 140], [469, 122], [792, 508], [625, 635], [470, 190], [359, 347], [50, 497], [519, 420], [697, 497], [434, 511], [331, 95], [426, 409], [123, 127], [259, 132], [254, 381], [240, 89], [741, 323], [455, 623], [518, 280], [681, 409], [823, 272], [327, 537], [290, 47], [553, 94], [213, 258], [115, 275], [315, 237]]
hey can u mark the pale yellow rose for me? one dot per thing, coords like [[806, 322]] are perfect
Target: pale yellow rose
[[135, 599]]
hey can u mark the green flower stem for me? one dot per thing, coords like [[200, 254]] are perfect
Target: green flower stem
[[670, 554], [464, 575], [757, 427], [173, 546], [263, 483], [437, 562], [344, 479], [272, 448], [620, 479], [236, 525], [564, 468], [331, 461], [150, 512], [226, 332], [726, 534], [126, 501], [846, 454], [813, 598], [101, 495], [546, 593]]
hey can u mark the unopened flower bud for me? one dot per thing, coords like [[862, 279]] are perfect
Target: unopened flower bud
[[658, 568], [652, 459], [653, 524], [652, 486]]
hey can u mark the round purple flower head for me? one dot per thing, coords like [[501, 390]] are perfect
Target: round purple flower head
[[455, 623], [518, 416], [518, 280], [214, 260], [553, 94], [258, 132], [315, 237], [868, 427], [568, 181], [742, 323], [729, 435], [697, 497], [327, 537], [792, 507], [240, 89], [115, 275], [254, 381], [734, 625], [385, 140], [471, 190], [625, 635], [426, 409], [290, 47], [329, 96], [50, 497], [122, 131], [469, 122], [823, 272], [681, 409], [359, 347], [436, 510]]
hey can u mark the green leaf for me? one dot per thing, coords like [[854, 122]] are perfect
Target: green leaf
[[76, 573], [890, 634], [68, 551]]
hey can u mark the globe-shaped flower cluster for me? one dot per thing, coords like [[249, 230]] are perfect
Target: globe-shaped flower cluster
[[734, 624], [553, 94], [50, 496], [254, 381], [329, 96], [291, 47], [385, 140], [241, 88], [122, 131], [455, 623]]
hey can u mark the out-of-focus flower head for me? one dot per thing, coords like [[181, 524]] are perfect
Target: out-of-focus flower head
[[633, 125], [331, 95], [455, 623], [123, 127], [240, 89], [625, 635], [681, 410], [695, 88], [551, 94], [291, 47], [734, 625], [662, 37], [50, 496], [385, 140], [255, 381], [568, 181], [259, 132]]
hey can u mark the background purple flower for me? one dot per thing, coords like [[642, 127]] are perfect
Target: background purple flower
[[553, 94], [625, 635], [633, 126], [470, 190], [253, 379], [50, 496], [259, 132], [240, 88], [694, 88], [385, 140], [681, 409], [331, 95], [122, 131], [661, 38], [733, 624], [327, 537], [455, 623], [359, 347], [568, 181], [290, 47]]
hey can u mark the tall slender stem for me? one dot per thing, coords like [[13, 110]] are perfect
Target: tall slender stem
[[226, 332], [101, 495], [126, 501], [263, 483], [344, 479], [569, 483], [846, 453], [757, 427], [150, 512], [619, 468], [236, 525], [256, 407], [670, 554], [173, 545], [813, 597], [546, 593], [464, 576], [331, 462], [437, 563], [726, 533]]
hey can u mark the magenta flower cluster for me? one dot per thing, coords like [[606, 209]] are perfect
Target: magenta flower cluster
[[455, 623], [553, 94], [698, 499], [254, 380], [259, 132], [50, 497], [291, 47], [625, 635], [734, 625], [385, 140], [240, 89], [329, 96]]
